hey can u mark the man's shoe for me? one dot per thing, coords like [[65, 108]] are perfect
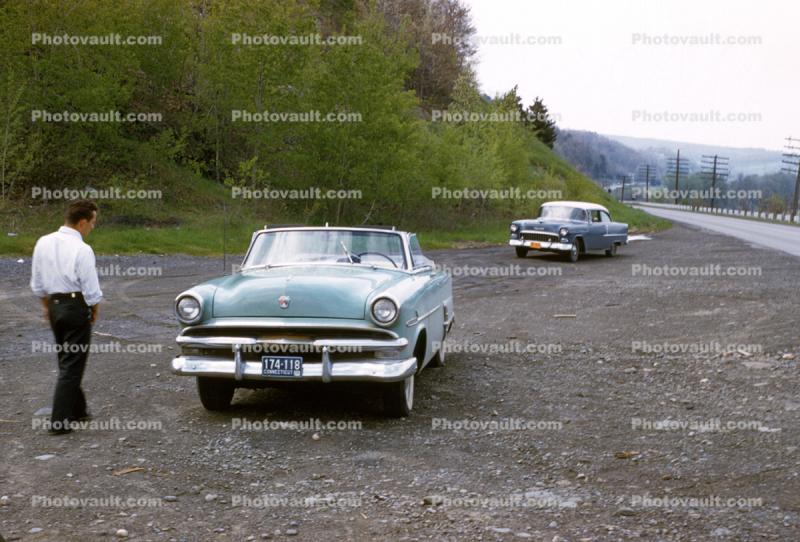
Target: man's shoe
[[59, 431], [86, 417]]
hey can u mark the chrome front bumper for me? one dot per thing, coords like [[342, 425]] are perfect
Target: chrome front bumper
[[221, 365], [543, 245]]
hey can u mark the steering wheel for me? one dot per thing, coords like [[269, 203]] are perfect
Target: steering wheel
[[360, 254]]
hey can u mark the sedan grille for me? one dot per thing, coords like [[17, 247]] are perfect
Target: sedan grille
[[544, 237]]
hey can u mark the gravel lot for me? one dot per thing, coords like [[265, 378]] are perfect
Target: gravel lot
[[636, 423]]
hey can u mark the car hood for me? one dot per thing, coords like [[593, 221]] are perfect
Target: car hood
[[548, 224], [314, 291]]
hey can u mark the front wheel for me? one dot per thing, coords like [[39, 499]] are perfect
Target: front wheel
[[398, 398], [574, 252], [215, 393], [521, 252]]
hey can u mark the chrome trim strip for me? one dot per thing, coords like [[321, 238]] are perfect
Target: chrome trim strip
[[286, 323], [417, 319], [237, 342], [367, 370]]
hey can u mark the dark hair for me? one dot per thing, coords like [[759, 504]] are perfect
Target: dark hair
[[80, 209]]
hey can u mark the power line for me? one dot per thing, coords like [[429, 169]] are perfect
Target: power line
[[678, 168], [646, 168], [716, 167]]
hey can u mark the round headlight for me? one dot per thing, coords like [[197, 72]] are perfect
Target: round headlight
[[384, 311], [188, 309], [514, 228], [563, 232]]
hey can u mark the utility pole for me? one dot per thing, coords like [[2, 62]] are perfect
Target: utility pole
[[792, 161], [646, 168], [717, 167], [622, 194], [678, 167]]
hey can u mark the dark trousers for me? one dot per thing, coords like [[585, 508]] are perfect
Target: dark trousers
[[71, 321]]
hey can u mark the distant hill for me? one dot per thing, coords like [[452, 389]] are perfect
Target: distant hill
[[602, 158], [743, 161]]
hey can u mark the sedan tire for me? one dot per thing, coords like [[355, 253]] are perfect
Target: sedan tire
[[438, 358], [574, 253], [398, 398], [612, 251], [215, 393], [521, 252]]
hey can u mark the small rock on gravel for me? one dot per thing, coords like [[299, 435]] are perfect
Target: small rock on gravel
[[432, 500], [121, 533], [625, 512]]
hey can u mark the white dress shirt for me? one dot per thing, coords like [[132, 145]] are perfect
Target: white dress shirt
[[63, 263]]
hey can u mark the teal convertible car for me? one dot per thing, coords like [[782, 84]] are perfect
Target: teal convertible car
[[317, 304]]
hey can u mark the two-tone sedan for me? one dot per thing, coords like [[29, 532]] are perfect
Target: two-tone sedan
[[317, 304], [571, 228]]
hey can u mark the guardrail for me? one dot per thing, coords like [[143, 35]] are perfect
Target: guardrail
[[756, 215]]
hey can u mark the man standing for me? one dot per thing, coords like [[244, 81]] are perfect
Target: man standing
[[64, 277]]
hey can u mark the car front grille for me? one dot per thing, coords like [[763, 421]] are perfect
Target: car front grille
[[285, 341], [543, 237]]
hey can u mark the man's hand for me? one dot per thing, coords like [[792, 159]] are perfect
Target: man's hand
[[46, 310], [94, 312]]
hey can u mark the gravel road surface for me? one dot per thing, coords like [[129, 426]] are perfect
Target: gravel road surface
[[649, 396]]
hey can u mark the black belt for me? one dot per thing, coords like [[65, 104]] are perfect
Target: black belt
[[67, 296]]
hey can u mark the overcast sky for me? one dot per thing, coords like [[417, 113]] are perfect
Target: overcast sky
[[612, 72]]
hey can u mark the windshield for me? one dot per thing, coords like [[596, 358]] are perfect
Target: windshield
[[565, 213], [327, 246]]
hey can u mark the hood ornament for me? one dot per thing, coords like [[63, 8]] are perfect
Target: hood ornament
[[283, 301]]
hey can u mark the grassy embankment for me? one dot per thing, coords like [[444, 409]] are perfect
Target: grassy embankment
[[193, 212]]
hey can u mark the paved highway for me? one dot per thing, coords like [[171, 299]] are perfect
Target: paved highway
[[775, 236]]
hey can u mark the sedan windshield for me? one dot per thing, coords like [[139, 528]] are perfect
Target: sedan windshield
[[562, 212], [327, 246]]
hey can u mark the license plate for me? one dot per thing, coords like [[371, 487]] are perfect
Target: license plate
[[282, 366], [535, 245]]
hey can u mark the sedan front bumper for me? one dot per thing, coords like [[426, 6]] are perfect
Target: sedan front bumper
[[371, 370], [542, 245]]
